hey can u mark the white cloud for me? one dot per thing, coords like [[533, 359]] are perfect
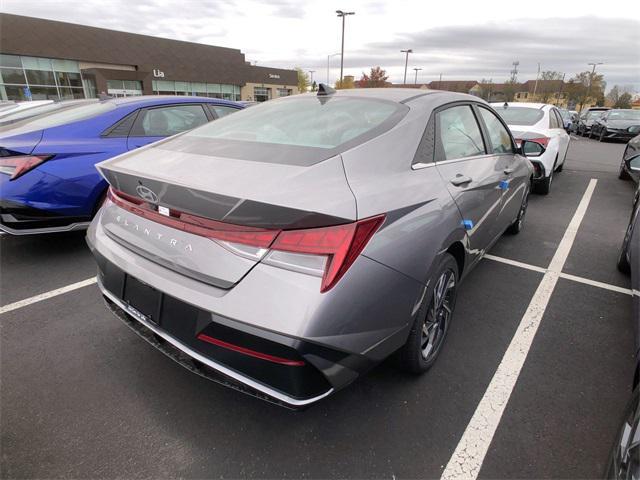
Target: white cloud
[[462, 40]]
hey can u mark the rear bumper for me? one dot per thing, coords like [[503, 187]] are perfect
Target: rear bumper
[[204, 364], [19, 219]]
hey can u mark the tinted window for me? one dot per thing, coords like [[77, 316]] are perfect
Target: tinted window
[[306, 122], [498, 134], [459, 133], [166, 121], [624, 115], [594, 114], [520, 115], [221, 110], [553, 120]]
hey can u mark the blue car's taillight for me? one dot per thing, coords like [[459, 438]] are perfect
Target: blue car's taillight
[[17, 166]]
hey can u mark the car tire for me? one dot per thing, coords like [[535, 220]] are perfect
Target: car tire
[[429, 329], [518, 223]]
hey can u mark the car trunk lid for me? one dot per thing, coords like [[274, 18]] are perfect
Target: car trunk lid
[[213, 217]]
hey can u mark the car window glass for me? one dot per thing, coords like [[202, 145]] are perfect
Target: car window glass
[[559, 119], [459, 133], [221, 110], [306, 121], [165, 121], [553, 121], [498, 134], [520, 115]]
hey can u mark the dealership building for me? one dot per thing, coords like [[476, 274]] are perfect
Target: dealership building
[[44, 59]]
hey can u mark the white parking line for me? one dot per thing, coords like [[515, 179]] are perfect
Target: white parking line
[[467, 459], [46, 295], [568, 276]]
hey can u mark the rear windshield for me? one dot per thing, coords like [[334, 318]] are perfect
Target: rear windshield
[[323, 123], [520, 115], [624, 115], [54, 115], [595, 114]]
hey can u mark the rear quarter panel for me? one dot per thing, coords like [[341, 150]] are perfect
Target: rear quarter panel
[[422, 218]]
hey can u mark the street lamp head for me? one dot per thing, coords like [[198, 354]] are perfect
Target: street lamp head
[[344, 14], [407, 51]]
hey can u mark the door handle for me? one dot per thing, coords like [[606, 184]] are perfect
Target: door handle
[[509, 170], [460, 180]]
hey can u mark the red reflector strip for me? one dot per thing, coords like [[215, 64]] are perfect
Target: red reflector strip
[[204, 227], [249, 352]]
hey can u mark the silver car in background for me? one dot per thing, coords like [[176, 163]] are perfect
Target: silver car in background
[[287, 249]]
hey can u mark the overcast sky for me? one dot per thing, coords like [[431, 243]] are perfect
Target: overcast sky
[[461, 39]]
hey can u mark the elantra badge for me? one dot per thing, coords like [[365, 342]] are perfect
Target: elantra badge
[[146, 194]]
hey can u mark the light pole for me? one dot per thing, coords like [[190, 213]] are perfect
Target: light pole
[[406, 61], [328, 57], [593, 72], [343, 15], [415, 82], [311, 72]]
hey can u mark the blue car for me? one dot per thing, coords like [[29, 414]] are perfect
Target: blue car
[[48, 180]]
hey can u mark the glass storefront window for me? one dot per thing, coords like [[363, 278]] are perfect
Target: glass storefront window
[[124, 88], [199, 89], [183, 88], [34, 63], [10, 61], [284, 92], [40, 77], [70, 66], [44, 78], [67, 93], [261, 94], [44, 93], [12, 75], [68, 79], [213, 90]]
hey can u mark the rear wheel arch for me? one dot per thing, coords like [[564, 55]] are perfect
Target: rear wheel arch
[[456, 249]]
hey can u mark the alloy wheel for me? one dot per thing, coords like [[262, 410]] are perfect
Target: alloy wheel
[[438, 315]]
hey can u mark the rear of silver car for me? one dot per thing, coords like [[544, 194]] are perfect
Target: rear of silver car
[[227, 262]]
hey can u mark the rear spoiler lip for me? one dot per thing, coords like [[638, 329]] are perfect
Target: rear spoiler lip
[[239, 211]]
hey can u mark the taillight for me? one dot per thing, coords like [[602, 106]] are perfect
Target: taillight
[[326, 252], [544, 141], [329, 250], [19, 165]]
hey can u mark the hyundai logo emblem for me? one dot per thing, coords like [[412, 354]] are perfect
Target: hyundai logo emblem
[[147, 194]]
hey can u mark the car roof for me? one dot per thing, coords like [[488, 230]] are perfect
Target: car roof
[[399, 95], [143, 100]]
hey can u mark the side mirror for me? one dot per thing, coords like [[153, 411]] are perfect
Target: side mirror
[[634, 163], [531, 149]]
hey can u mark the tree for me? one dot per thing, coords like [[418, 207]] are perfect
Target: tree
[[547, 87], [485, 88], [588, 88], [376, 78], [347, 82], [510, 88], [303, 80], [624, 101], [613, 95]]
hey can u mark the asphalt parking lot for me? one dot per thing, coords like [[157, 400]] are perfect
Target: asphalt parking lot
[[82, 396]]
